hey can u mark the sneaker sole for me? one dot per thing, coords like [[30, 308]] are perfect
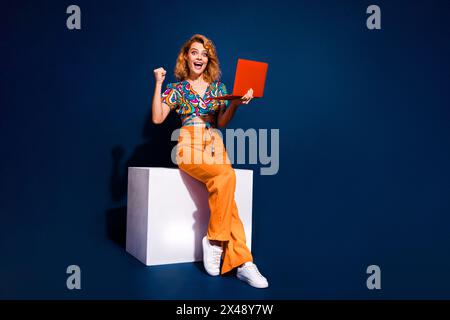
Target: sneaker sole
[[253, 284]]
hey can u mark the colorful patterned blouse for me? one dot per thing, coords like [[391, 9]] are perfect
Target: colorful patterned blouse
[[188, 103]]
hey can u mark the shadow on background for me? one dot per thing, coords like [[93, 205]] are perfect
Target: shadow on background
[[154, 152]]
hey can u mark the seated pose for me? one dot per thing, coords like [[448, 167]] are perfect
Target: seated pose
[[201, 152]]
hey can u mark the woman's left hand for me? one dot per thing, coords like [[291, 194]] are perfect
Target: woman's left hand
[[247, 97]]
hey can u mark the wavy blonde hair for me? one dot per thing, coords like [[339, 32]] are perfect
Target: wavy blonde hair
[[212, 71]]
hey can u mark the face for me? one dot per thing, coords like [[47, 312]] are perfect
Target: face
[[197, 58]]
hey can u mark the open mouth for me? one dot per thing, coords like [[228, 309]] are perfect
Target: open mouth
[[198, 65]]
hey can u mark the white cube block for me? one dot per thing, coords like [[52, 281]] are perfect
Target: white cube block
[[168, 214]]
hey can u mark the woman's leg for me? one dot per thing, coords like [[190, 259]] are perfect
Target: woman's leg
[[224, 224], [236, 251]]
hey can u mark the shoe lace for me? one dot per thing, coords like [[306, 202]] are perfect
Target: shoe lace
[[216, 254]]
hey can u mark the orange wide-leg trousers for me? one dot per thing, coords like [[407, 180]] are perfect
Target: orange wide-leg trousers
[[195, 156]]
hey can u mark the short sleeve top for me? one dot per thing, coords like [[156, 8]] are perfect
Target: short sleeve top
[[181, 97]]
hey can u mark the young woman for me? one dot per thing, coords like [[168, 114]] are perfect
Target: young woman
[[198, 72]]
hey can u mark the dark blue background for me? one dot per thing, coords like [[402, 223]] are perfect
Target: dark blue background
[[364, 145]]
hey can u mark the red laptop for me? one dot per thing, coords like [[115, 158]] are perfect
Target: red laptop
[[249, 74]]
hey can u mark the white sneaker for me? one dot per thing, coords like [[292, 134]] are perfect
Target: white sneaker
[[249, 273], [211, 257]]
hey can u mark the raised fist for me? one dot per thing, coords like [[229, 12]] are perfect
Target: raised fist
[[160, 74]]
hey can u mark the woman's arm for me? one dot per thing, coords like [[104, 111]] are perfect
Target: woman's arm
[[160, 110], [226, 114]]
